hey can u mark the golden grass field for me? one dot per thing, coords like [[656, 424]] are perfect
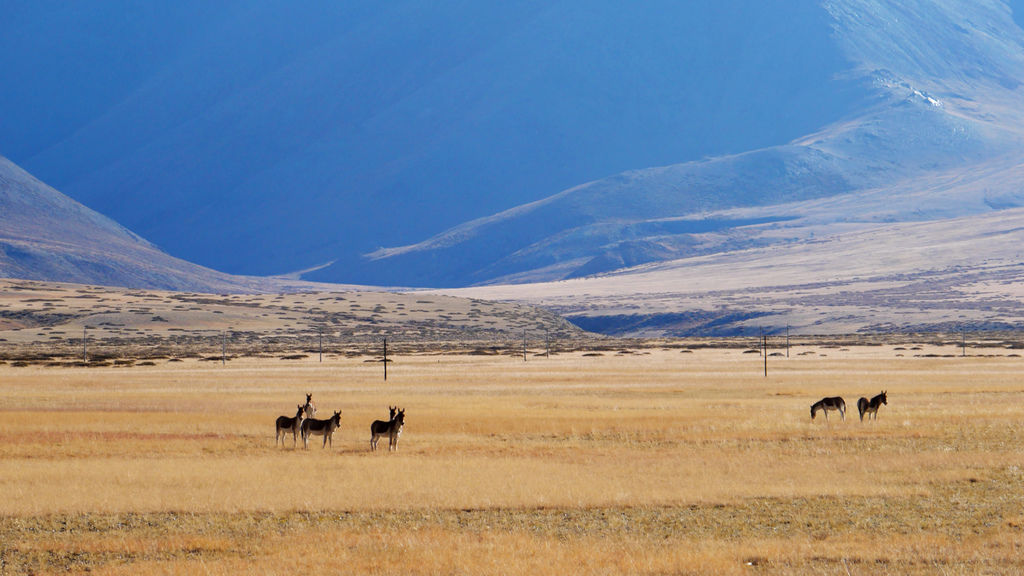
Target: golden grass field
[[656, 461]]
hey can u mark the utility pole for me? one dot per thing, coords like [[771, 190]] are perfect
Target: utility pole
[[321, 344], [385, 358], [524, 345], [963, 341], [764, 346], [85, 344], [787, 340]]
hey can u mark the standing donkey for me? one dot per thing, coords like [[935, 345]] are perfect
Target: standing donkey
[[392, 428], [309, 408], [869, 407], [325, 428], [831, 403], [284, 424]]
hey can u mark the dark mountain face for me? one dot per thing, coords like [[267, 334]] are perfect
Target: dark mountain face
[[940, 138], [44, 235], [261, 138]]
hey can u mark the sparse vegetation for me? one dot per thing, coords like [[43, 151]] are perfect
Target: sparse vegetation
[[645, 464], [138, 325], [610, 456]]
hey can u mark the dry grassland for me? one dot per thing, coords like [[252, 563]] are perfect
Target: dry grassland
[[46, 322], [651, 462]]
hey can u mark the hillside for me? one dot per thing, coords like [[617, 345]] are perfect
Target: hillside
[[46, 321], [289, 138], [44, 235], [881, 191], [941, 276], [941, 139]]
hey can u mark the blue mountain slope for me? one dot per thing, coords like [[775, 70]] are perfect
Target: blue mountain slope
[[945, 78], [259, 137], [44, 235]]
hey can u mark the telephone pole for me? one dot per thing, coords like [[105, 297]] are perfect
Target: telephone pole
[[764, 346]]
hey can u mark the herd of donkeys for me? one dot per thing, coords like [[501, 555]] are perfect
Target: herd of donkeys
[[305, 425], [864, 406]]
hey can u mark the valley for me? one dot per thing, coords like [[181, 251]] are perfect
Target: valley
[[603, 257]]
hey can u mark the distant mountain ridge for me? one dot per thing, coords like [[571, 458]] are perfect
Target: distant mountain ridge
[[398, 145], [945, 76], [289, 137]]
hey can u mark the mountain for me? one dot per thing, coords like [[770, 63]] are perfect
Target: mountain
[[906, 216], [44, 235], [940, 138], [453, 143], [291, 137], [947, 275], [64, 265]]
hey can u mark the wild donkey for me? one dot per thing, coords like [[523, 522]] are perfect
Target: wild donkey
[[826, 404], [392, 428], [284, 424], [869, 407], [323, 428], [308, 407]]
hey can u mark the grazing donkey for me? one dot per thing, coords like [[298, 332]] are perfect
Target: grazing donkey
[[308, 407], [284, 424], [392, 428], [323, 428], [826, 404], [869, 407]]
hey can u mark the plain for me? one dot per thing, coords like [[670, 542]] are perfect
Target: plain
[[660, 460]]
